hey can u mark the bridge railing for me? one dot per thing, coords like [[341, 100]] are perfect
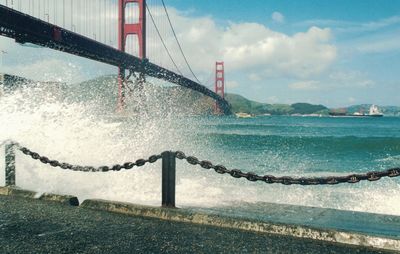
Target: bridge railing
[[169, 171]]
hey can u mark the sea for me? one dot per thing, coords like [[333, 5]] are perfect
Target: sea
[[75, 132]]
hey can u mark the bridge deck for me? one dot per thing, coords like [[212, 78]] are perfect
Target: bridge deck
[[36, 226], [27, 29]]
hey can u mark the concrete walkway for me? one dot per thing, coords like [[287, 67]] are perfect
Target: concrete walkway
[[37, 226]]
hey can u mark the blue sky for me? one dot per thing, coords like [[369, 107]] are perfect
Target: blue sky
[[364, 33], [295, 11], [335, 53]]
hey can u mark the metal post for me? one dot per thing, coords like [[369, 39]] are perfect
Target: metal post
[[10, 164], [168, 179]]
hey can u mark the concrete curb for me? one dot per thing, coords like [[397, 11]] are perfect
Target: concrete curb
[[64, 199], [188, 216], [17, 192]]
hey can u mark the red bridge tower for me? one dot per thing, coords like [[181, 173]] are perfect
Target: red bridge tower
[[219, 83], [124, 29]]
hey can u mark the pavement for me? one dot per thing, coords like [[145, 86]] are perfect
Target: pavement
[[38, 226]]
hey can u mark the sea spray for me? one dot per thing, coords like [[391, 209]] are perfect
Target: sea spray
[[89, 132]]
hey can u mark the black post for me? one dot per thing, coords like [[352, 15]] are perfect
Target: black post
[[168, 179], [10, 164]]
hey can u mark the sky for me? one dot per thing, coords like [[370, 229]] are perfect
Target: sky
[[335, 53]]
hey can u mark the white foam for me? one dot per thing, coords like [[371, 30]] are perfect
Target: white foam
[[72, 133]]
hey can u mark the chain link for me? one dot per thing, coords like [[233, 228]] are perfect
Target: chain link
[[236, 173], [117, 167], [287, 180]]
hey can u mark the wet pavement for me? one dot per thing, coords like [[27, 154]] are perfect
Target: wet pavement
[[36, 226]]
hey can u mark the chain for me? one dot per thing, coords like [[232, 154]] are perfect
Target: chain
[[117, 167], [287, 180], [236, 173]]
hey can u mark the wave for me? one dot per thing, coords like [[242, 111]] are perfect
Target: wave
[[71, 132], [318, 127], [329, 142]]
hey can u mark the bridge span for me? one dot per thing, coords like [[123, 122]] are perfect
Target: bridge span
[[28, 29]]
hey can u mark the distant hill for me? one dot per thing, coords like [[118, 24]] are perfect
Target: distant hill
[[102, 91], [306, 108], [241, 104]]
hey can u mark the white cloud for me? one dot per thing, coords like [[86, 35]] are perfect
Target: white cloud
[[48, 70], [380, 45], [338, 79], [278, 17], [36, 63], [232, 84], [351, 100], [273, 99], [246, 46], [350, 79], [325, 23], [373, 25], [378, 36], [254, 77], [243, 47], [277, 54], [305, 85], [344, 26]]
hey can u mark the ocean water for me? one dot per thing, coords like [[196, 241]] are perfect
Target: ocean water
[[75, 132], [304, 145]]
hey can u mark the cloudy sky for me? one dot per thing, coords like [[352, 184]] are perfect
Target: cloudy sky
[[332, 52]]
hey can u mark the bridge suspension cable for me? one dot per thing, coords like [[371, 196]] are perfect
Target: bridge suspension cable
[[162, 40], [75, 27], [177, 41]]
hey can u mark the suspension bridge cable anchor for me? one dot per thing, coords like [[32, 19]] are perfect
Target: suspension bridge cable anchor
[[168, 179], [10, 163]]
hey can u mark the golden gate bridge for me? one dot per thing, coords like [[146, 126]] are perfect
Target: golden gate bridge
[[113, 32]]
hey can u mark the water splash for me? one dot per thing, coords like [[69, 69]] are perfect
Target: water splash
[[86, 133]]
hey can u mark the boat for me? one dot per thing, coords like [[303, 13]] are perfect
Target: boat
[[358, 114], [374, 111], [243, 115], [312, 115], [338, 112]]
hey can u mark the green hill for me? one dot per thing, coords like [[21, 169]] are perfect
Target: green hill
[[306, 108], [102, 91], [241, 104]]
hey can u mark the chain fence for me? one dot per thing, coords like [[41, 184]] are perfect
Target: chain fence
[[287, 180], [236, 173], [63, 165]]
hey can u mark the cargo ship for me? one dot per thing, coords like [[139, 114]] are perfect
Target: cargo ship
[[373, 112]]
